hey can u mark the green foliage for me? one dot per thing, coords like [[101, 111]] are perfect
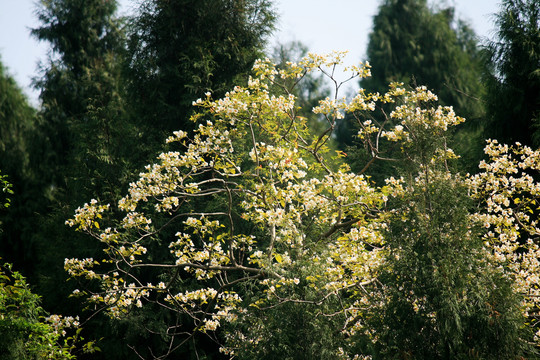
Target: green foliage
[[304, 322], [292, 330], [16, 121], [5, 201], [513, 74], [18, 140]]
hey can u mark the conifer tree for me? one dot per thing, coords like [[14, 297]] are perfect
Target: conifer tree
[[419, 45], [81, 94], [87, 138], [180, 50]]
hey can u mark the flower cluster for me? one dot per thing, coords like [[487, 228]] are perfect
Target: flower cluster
[[87, 217], [412, 119], [60, 323]]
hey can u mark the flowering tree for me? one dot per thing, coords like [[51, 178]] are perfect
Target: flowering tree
[[258, 215]]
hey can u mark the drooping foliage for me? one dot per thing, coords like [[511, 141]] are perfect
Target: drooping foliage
[[432, 305]]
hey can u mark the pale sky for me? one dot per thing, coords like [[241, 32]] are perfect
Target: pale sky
[[322, 25]]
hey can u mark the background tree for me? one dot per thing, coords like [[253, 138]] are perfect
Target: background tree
[[18, 137], [17, 118], [513, 74], [82, 119], [418, 45], [179, 50], [87, 140], [81, 94]]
